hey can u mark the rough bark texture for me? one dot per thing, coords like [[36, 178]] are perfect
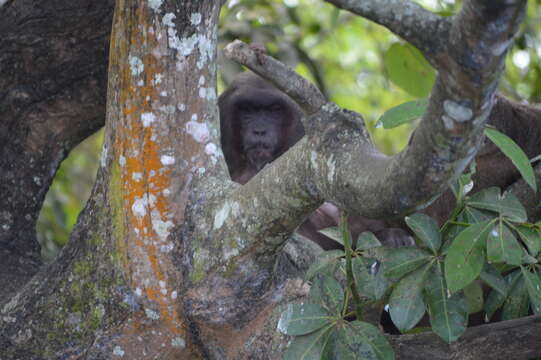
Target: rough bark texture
[[513, 339], [53, 61]]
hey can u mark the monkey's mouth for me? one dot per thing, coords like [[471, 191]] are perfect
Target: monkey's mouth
[[259, 155]]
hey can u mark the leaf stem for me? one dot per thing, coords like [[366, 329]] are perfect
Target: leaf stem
[[346, 236]]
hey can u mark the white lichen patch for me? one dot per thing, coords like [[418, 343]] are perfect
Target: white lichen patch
[[122, 160], [456, 111], [207, 93], [117, 351], [221, 215], [147, 118], [167, 247], [236, 209], [181, 107], [202, 92], [139, 207], [138, 292], [448, 122], [155, 4], [136, 65], [201, 80], [198, 131], [137, 176], [37, 180], [211, 149], [140, 83], [313, 160], [206, 51], [160, 227], [174, 295], [195, 19], [103, 157], [157, 79], [230, 252], [178, 342], [163, 93], [167, 160], [168, 19], [151, 314], [331, 168], [167, 109]]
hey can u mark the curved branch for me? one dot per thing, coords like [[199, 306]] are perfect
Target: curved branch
[[299, 89], [349, 172]]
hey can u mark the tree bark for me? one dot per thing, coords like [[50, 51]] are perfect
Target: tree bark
[[53, 61]]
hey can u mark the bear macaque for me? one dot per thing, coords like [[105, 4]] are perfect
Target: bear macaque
[[259, 123]]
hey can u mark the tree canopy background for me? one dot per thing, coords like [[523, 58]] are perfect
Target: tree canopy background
[[359, 65]]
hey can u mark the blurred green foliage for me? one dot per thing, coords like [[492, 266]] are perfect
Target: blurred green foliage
[[67, 195], [341, 53]]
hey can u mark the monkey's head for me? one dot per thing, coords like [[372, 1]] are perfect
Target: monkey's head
[[258, 124]]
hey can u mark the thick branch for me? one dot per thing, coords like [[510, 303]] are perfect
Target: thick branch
[[513, 339], [300, 90], [358, 178], [407, 19]]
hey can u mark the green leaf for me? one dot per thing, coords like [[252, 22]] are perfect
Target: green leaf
[[409, 70], [462, 186], [302, 319], [472, 215], [514, 153], [496, 299], [465, 257], [517, 303], [398, 262], [406, 305], [474, 297], [533, 284], [502, 246], [492, 277], [327, 291], [426, 229], [448, 315], [334, 233], [402, 114], [361, 341], [367, 240], [507, 205], [369, 278], [531, 237], [327, 262], [309, 347]]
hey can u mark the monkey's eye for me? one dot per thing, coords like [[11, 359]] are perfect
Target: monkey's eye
[[275, 107], [245, 107]]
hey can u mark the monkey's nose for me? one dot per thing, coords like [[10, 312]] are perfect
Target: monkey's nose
[[260, 132]]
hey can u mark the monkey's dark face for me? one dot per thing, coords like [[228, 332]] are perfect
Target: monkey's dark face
[[260, 124]]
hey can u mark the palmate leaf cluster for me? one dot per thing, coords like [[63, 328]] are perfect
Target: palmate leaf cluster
[[486, 243]]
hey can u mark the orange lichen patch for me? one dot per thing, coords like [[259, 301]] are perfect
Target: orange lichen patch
[[143, 176]]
